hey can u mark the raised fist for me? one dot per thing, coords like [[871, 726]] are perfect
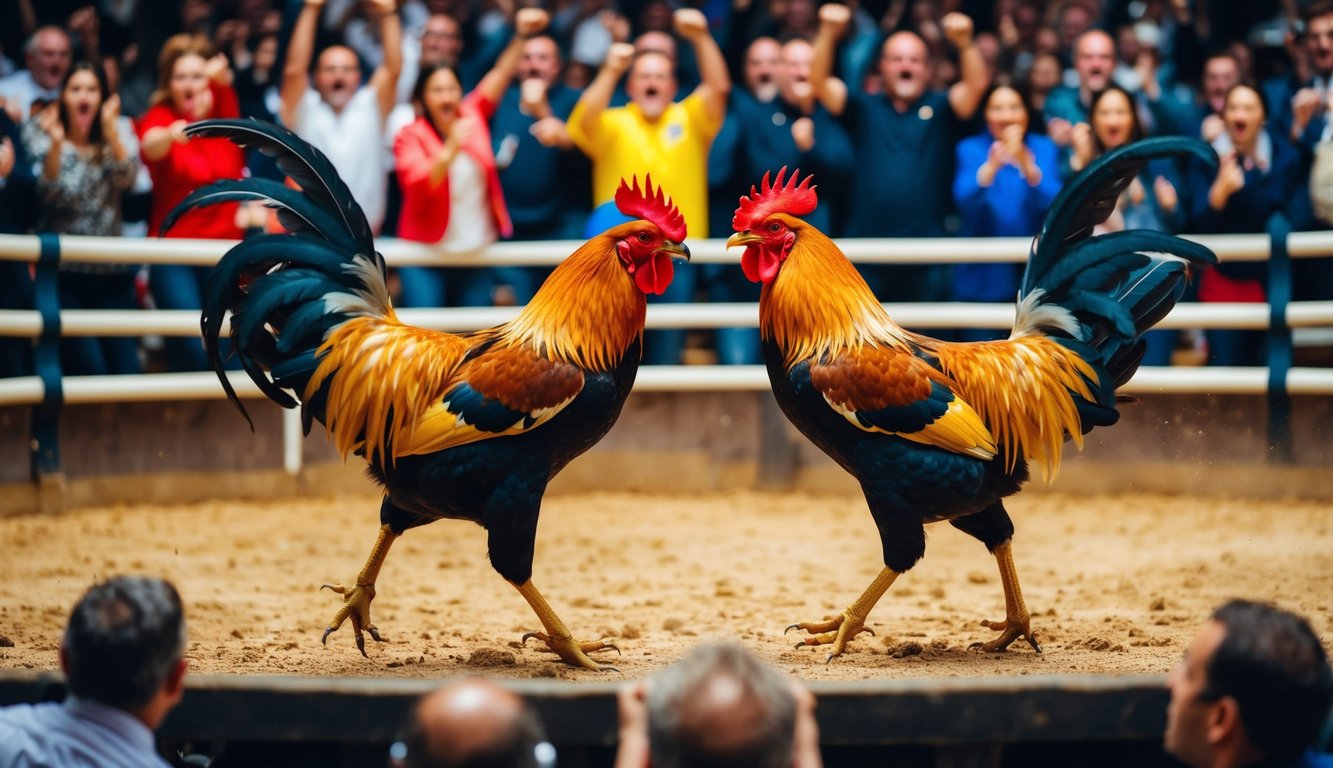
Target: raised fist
[[957, 29], [530, 21], [618, 57], [835, 17], [691, 23]]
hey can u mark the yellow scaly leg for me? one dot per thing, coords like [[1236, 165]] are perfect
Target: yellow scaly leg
[[356, 603], [1016, 622], [849, 623], [557, 636]]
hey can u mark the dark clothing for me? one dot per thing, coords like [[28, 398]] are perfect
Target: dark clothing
[[904, 165], [1247, 211], [545, 189], [18, 194], [767, 145], [902, 188]]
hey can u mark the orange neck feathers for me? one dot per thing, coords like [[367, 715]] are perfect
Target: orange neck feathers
[[819, 305], [588, 312]]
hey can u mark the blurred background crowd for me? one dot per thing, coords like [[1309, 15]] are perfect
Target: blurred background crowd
[[462, 122]]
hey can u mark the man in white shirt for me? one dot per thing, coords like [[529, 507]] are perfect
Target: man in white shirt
[[341, 116], [47, 57], [122, 656]]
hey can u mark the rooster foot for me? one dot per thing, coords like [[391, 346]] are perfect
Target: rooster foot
[[1010, 630], [356, 606], [838, 630], [573, 652]]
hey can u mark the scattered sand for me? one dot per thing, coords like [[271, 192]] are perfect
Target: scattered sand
[[1116, 584]]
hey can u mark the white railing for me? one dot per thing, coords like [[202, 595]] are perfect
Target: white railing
[[181, 386]]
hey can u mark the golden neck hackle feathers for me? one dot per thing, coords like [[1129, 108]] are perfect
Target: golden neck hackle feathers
[[588, 312], [819, 305]]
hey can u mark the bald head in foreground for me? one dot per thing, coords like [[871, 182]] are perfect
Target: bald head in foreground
[[473, 723]]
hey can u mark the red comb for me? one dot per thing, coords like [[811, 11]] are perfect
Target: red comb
[[790, 198], [652, 205]]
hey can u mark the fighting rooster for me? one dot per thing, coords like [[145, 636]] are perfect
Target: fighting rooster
[[469, 426], [945, 431]]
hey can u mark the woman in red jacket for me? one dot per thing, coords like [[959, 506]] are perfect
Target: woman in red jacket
[[446, 168], [193, 85]]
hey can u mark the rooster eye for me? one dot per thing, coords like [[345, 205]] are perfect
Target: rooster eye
[[644, 237], [774, 227]]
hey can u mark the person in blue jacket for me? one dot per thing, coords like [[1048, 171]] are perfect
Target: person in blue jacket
[[1007, 177]]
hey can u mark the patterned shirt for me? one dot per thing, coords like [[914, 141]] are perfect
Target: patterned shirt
[[84, 199]]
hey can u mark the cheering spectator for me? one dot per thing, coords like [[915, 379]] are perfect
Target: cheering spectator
[[789, 129], [1150, 201], [88, 157], [1068, 105], [451, 188], [546, 180], [339, 115], [655, 135], [1257, 176], [904, 139], [193, 85], [46, 55], [1007, 177]]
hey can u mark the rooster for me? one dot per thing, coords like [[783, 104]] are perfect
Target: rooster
[[945, 431], [469, 426]]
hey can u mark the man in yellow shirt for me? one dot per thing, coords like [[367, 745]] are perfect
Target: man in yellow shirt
[[656, 135]]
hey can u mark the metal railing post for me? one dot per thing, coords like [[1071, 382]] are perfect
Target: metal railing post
[[1279, 340], [46, 359]]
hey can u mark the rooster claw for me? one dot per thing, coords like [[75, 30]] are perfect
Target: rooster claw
[[356, 607], [573, 652], [1010, 631]]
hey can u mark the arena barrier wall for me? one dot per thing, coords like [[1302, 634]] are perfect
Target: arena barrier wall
[[73, 441]]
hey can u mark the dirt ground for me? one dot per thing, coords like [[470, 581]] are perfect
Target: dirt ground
[[1116, 584]]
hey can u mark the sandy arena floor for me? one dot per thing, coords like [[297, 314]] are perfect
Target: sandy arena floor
[[1116, 584]]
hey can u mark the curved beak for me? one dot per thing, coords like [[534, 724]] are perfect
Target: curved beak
[[679, 251], [743, 238]]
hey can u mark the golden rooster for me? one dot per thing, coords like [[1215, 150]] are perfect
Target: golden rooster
[[468, 426], [945, 431]]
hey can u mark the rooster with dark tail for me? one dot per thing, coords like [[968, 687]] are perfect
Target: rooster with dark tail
[[469, 426], [944, 431]]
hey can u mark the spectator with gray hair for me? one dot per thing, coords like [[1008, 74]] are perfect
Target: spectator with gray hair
[[47, 55], [1254, 688], [122, 656], [719, 706]]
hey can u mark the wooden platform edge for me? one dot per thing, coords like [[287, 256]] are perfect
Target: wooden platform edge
[[930, 711]]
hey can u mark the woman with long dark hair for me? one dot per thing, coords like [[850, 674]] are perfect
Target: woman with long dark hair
[[87, 155], [1151, 201], [1007, 176], [451, 185]]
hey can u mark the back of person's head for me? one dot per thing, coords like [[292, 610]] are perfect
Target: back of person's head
[[1272, 663], [720, 706], [124, 637], [473, 723]]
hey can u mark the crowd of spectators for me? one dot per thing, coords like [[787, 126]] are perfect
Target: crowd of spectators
[[462, 122]]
